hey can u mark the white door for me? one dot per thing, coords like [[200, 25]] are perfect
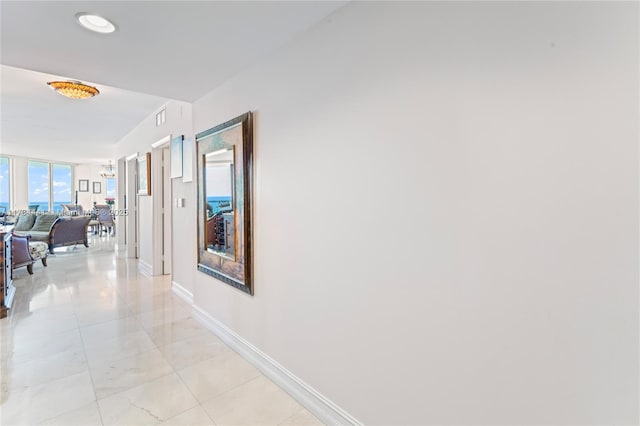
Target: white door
[[131, 227], [121, 221], [166, 211]]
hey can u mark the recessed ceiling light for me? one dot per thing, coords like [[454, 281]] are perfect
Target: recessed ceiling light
[[95, 23]]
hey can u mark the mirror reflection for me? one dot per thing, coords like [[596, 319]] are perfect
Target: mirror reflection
[[219, 189]]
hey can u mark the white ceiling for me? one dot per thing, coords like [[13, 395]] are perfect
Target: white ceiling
[[39, 123], [161, 50]]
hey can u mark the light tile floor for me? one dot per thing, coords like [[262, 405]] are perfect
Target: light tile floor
[[90, 341]]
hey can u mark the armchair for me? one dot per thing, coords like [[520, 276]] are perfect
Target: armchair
[[105, 219], [25, 253], [72, 209]]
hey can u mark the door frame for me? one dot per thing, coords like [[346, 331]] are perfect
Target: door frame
[[131, 227], [121, 191], [160, 212]]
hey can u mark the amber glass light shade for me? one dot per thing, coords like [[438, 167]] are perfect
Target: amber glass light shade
[[73, 89]]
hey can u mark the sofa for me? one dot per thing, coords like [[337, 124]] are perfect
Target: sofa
[[52, 229], [77, 210]]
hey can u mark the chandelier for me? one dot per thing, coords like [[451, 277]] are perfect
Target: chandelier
[[109, 172], [73, 89]]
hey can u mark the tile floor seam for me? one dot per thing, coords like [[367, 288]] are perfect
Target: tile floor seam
[[122, 393], [93, 385], [131, 356], [290, 417], [234, 388], [194, 396], [62, 414], [189, 409], [42, 386], [116, 358]]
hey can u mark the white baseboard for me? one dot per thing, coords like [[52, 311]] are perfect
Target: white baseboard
[[144, 268], [182, 292], [320, 406]]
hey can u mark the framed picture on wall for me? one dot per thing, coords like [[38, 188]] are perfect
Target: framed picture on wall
[[176, 157], [83, 185], [97, 187], [144, 174], [187, 159]]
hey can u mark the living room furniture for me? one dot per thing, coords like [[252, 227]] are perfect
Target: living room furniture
[[6, 282], [72, 209], [26, 253], [69, 231], [37, 225], [105, 218], [94, 226], [54, 230]]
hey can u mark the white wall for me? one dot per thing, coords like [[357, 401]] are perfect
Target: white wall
[[185, 229], [446, 221], [90, 172], [178, 122]]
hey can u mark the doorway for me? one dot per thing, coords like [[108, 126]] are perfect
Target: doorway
[[162, 196], [166, 211], [130, 204], [121, 192]]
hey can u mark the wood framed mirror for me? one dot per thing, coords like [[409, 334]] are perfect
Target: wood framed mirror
[[225, 154]]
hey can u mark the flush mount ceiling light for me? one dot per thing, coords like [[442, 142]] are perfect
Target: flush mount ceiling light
[[95, 23], [73, 89]]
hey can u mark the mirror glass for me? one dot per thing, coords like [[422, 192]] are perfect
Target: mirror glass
[[219, 188]]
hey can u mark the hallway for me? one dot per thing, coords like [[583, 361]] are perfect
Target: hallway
[[91, 341]]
